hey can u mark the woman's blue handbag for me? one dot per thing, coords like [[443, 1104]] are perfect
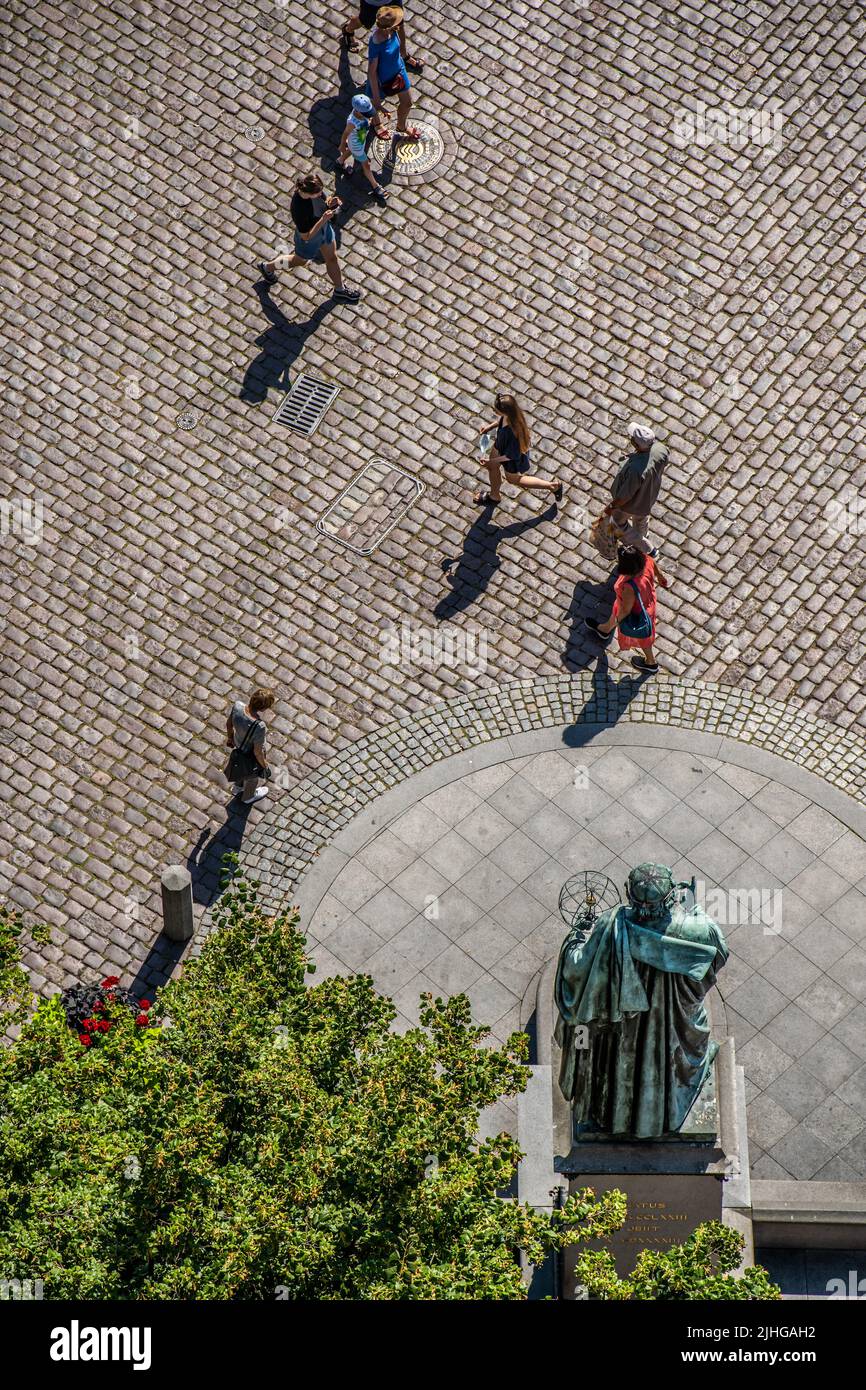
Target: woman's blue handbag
[[637, 623]]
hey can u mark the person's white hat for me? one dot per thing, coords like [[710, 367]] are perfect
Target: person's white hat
[[641, 435]]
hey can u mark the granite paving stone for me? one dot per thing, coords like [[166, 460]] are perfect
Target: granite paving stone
[[784, 855], [850, 970], [790, 971], [853, 1090], [830, 1061], [849, 914], [851, 1030], [420, 941], [801, 1152], [835, 1122], [386, 912], [454, 971], [763, 1060], [452, 856], [768, 1121], [794, 1031], [420, 884], [797, 1091], [521, 856]]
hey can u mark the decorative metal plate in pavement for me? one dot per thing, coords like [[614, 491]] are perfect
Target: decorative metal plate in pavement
[[414, 159], [376, 500], [305, 405]]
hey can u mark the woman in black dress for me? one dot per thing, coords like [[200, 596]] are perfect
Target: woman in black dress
[[510, 455]]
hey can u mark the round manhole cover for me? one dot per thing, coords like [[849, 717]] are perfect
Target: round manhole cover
[[422, 159]]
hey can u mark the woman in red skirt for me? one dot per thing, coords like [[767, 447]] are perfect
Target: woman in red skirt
[[635, 589]]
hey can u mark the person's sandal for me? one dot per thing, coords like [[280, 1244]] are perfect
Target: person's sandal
[[415, 64], [483, 499], [557, 492], [410, 133], [348, 38], [269, 276]]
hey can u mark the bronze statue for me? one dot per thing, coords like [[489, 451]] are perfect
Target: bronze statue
[[633, 992]]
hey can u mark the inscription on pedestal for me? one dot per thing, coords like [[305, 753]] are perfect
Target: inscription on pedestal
[[663, 1210]]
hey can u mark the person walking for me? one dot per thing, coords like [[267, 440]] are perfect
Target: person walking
[[245, 733], [634, 610], [366, 19], [635, 488], [314, 236], [386, 70], [510, 455], [353, 146]]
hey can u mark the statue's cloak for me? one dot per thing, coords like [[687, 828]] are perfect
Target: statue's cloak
[[639, 989]]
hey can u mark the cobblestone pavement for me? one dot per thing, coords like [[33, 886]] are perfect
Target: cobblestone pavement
[[450, 883], [580, 248]]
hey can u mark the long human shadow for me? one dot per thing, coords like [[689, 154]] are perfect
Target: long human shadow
[[588, 601], [605, 705], [327, 120], [475, 567], [205, 862], [280, 345]]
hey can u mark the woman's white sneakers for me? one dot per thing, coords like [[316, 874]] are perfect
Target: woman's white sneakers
[[256, 796]]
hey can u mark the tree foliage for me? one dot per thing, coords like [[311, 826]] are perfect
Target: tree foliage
[[15, 993], [268, 1139], [701, 1268]]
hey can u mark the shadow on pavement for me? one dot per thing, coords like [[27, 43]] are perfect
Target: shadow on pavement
[[156, 969], [280, 345], [589, 601], [327, 120], [473, 570], [205, 861], [605, 705]]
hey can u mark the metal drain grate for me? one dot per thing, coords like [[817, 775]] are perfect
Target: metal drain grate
[[305, 405], [376, 500]]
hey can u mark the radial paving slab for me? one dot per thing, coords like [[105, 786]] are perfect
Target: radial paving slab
[[440, 870]]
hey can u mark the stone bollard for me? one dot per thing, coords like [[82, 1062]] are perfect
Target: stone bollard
[[177, 915]]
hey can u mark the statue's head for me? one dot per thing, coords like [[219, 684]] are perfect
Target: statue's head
[[650, 891]]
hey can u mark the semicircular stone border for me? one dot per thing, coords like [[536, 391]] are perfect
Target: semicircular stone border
[[292, 833]]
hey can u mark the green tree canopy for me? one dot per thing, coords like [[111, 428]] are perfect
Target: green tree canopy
[[265, 1138], [701, 1268]]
